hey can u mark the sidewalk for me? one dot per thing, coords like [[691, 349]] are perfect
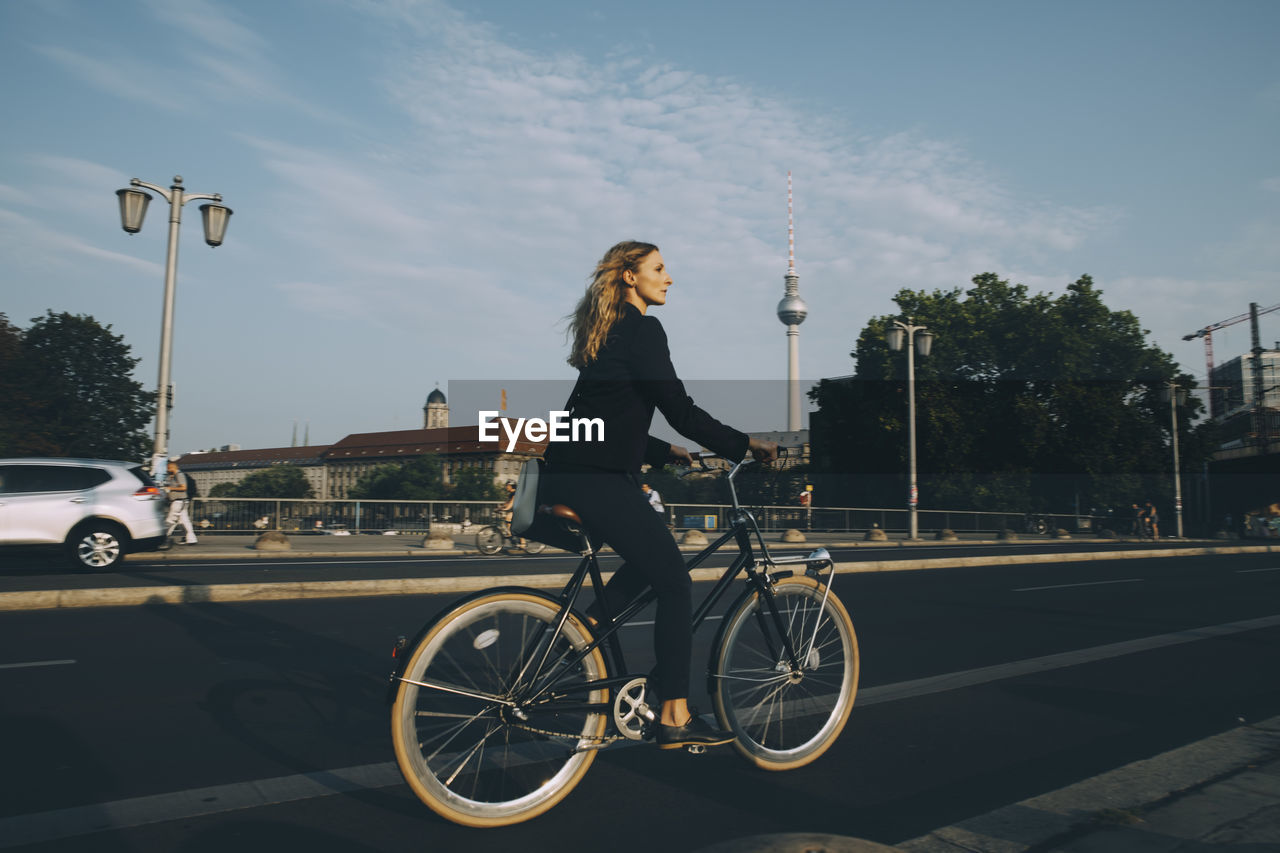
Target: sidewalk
[[1219, 794], [241, 545]]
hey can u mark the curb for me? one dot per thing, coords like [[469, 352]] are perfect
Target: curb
[[1054, 818], [60, 599], [250, 553]]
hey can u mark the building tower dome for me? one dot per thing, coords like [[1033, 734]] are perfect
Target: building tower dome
[[435, 414]]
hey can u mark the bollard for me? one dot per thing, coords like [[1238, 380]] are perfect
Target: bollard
[[272, 540]]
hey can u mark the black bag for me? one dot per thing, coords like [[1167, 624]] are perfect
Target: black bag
[[528, 518], [192, 490]]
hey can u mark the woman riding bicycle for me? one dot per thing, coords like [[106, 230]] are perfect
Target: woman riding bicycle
[[625, 372]]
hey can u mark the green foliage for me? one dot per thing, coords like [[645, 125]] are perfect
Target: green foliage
[[223, 490], [476, 484], [67, 390], [278, 481], [421, 479], [1027, 402]]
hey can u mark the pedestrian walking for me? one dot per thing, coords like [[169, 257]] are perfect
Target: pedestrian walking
[[177, 488]]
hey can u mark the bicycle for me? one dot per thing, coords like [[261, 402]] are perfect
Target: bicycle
[[491, 538], [1034, 522], [500, 704]]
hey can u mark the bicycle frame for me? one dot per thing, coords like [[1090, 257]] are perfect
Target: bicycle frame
[[742, 525]]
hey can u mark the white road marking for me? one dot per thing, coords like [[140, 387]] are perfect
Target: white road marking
[[34, 663], [182, 805], [1251, 571], [1069, 585]]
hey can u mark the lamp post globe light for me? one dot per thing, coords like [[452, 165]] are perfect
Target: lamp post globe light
[[133, 208], [1175, 397], [916, 339]]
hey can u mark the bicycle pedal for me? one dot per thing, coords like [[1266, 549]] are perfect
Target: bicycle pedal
[[696, 749]]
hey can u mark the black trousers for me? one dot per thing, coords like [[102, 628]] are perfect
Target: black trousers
[[617, 512]]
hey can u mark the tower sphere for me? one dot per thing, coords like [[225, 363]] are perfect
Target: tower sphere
[[792, 310]]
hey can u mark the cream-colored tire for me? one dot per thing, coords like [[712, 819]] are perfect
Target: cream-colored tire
[[475, 760]]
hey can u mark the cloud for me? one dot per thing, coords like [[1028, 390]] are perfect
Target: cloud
[[119, 75], [513, 170], [24, 237], [213, 25]]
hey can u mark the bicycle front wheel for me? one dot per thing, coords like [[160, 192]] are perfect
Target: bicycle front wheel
[[489, 540], [463, 742], [532, 547], [785, 717]]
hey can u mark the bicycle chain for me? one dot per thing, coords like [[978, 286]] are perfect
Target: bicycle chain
[[602, 739]]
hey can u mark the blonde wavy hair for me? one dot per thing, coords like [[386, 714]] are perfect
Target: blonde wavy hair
[[601, 306]]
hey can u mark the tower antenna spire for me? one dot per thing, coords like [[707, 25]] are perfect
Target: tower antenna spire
[[791, 230]]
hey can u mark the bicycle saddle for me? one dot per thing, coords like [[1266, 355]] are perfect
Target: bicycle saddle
[[560, 511]]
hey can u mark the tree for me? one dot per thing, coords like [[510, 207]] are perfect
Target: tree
[[69, 392], [1027, 402], [475, 484], [21, 407], [418, 480], [223, 490], [278, 481]]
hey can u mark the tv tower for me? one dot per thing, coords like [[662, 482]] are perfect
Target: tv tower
[[792, 311]]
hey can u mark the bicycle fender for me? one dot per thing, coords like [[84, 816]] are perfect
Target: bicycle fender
[[720, 636]]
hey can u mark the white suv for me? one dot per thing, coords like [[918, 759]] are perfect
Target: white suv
[[96, 509]]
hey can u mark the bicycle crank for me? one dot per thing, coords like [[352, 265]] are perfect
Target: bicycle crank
[[632, 716]]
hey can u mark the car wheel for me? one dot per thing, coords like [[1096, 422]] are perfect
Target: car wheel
[[96, 546]]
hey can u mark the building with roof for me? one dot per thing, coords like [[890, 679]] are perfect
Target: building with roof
[[458, 448], [214, 467], [333, 469]]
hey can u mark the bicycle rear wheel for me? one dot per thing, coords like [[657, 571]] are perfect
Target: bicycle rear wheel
[[532, 547], [489, 540], [472, 758], [783, 718]]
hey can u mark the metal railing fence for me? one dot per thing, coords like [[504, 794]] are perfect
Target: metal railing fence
[[835, 519], [248, 515]]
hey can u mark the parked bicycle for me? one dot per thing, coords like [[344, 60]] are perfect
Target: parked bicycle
[[500, 703], [1034, 522], [491, 539]]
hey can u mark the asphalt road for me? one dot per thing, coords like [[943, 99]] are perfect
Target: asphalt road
[[167, 720]]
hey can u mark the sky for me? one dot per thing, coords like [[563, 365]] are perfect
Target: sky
[[421, 189]]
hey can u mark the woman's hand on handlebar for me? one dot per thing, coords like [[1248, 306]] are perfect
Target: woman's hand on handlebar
[[763, 451], [680, 455]]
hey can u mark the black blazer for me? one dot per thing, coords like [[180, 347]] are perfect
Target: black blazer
[[631, 376]]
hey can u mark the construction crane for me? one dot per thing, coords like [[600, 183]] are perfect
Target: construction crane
[[1207, 334]]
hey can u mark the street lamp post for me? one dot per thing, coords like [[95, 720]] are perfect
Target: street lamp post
[[133, 208], [1176, 397], [903, 334]]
